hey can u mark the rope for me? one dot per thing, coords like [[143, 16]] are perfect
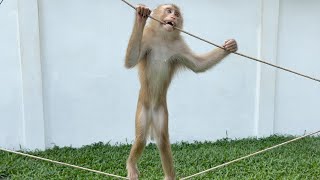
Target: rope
[[188, 177], [247, 156], [237, 53], [202, 172], [62, 163]]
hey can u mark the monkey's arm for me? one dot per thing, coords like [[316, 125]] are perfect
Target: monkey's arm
[[201, 63], [136, 47]]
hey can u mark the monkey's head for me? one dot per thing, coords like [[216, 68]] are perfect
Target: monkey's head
[[171, 15]]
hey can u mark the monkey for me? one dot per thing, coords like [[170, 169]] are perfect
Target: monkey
[[159, 51]]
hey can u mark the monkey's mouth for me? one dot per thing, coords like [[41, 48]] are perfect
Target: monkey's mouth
[[171, 23]]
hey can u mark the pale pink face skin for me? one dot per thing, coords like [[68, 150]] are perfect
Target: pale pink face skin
[[172, 17]]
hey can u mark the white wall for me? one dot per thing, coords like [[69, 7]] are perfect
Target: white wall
[[297, 99], [83, 94], [10, 70]]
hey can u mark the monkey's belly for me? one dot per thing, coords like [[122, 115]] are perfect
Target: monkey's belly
[[158, 79], [157, 86]]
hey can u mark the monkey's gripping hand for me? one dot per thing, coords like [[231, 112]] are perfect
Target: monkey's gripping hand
[[230, 45], [142, 13]]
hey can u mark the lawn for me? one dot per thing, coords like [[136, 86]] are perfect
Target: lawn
[[298, 160]]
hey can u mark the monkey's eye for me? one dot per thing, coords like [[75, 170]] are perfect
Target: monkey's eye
[[177, 14], [169, 11]]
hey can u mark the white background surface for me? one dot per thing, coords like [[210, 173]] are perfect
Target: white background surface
[[63, 81]]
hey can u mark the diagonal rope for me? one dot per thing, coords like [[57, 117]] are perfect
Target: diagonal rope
[[237, 53], [188, 177], [250, 155], [62, 163], [202, 172]]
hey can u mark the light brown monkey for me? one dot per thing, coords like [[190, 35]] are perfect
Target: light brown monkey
[[159, 50]]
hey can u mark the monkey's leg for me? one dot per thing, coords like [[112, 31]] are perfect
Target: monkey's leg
[[160, 119], [139, 143]]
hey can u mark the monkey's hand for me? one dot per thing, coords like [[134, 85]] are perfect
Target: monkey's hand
[[230, 45], [142, 13]]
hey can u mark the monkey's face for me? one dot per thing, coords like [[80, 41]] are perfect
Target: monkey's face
[[170, 14]]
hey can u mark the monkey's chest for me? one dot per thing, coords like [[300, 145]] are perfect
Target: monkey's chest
[[158, 73], [159, 70]]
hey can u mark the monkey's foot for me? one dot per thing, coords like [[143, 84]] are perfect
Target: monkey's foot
[[133, 172]]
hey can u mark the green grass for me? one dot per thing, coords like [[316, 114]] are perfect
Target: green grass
[[298, 160]]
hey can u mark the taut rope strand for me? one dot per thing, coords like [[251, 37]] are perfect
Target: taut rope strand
[[247, 156], [202, 172], [240, 54], [62, 163]]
